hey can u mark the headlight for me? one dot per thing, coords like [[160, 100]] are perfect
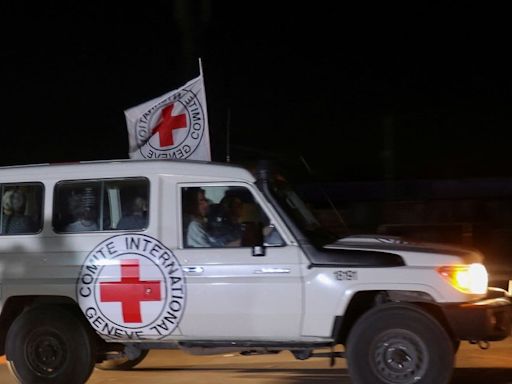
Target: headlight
[[466, 278]]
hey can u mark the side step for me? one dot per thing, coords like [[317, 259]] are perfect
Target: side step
[[303, 354]]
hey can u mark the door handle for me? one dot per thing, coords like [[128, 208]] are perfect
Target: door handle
[[272, 270], [193, 269]]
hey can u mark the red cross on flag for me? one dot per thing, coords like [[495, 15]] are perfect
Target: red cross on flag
[[172, 126]]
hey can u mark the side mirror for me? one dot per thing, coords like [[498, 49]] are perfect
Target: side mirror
[[258, 250]]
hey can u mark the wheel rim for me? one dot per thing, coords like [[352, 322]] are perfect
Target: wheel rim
[[399, 357], [45, 352]]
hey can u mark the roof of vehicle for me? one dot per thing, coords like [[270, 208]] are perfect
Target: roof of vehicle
[[125, 168]]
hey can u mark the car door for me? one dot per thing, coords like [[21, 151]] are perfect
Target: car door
[[233, 291]]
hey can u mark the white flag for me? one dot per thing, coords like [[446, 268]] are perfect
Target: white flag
[[172, 126]]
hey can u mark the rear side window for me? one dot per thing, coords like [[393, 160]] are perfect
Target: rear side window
[[101, 205], [22, 208]]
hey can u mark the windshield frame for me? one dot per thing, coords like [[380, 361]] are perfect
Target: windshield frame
[[303, 223]]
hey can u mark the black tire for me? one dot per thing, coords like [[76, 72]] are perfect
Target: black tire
[[123, 364], [399, 344], [49, 345]]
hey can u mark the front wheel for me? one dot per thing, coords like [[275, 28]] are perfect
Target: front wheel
[[399, 344], [49, 345]]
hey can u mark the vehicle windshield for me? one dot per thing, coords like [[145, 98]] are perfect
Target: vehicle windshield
[[304, 214]]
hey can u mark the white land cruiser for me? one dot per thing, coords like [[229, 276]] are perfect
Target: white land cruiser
[[102, 261]]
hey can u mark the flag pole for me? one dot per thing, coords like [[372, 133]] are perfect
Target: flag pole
[[205, 103], [200, 68]]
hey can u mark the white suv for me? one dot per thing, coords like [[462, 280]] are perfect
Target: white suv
[[102, 261]]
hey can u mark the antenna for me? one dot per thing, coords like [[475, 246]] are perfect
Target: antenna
[[228, 133], [338, 215]]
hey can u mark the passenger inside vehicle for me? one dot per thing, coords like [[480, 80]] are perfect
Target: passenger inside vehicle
[[137, 218], [83, 208], [195, 210], [15, 221]]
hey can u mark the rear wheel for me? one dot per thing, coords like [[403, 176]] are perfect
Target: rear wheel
[[399, 344], [122, 364], [49, 345]]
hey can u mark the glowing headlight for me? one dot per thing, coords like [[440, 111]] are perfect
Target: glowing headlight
[[466, 278]]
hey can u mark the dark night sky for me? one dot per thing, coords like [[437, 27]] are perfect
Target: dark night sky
[[360, 92]]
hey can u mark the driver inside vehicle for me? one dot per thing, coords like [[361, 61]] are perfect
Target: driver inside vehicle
[[224, 221]]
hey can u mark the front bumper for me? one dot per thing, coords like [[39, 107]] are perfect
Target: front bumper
[[485, 320]]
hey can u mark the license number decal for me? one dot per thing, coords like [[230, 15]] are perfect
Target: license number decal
[[346, 275]]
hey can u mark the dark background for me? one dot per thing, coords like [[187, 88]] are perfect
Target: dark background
[[360, 92], [402, 111]]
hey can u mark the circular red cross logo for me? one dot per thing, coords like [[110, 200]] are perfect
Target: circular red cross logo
[[132, 287]]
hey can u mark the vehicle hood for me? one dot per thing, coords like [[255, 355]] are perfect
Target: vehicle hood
[[413, 253]]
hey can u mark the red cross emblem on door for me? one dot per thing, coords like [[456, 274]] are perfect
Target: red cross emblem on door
[[130, 291]]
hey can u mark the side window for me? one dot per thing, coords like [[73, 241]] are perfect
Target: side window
[[76, 206], [224, 217], [101, 205], [128, 204], [22, 206]]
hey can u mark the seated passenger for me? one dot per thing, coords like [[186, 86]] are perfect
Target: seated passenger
[[14, 219], [138, 217], [83, 208], [195, 208]]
